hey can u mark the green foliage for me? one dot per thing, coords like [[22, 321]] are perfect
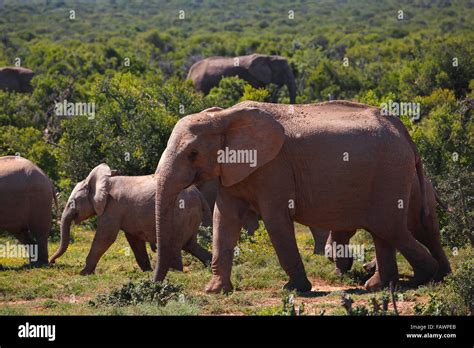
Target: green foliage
[[445, 141], [228, 93], [28, 143], [143, 291], [378, 305], [255, 94], [204, 237], [255, 248], [456, 295], [287, 307], [129, 131]]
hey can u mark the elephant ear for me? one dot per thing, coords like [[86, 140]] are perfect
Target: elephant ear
[[259, 68], [99, 187], [254, 131]]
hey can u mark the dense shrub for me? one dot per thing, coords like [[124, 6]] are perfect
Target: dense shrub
[[143, 291]]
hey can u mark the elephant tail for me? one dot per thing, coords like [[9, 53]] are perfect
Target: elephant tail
[[206, 211], [425, 213]]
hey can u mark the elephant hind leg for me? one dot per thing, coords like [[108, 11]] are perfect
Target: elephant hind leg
[[424, 265], [139, 250], [41, 237], [386, 266], [432, 240], [37, 256], [198, 251]]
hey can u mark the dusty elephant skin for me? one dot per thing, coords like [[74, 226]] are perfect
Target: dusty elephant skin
[[251, 218], [257, 69], [16, 79], [128, 203], [301, 175], [26, 198], [426, 233]]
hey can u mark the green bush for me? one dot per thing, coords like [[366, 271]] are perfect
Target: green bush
[[129, 131], [456, 295], [29, 143], [143, 291]]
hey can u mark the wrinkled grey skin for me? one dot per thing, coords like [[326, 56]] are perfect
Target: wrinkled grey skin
[[257, 69], [128, 203], [301, 160], [26, 197], [16, 79]]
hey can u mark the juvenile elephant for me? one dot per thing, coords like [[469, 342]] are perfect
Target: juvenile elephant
[[26, 198], [335, 165], [257, 69], [128, 203], [16, 79], [426, 232]]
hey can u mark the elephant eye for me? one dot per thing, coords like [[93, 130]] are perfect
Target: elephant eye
[[193, 155]]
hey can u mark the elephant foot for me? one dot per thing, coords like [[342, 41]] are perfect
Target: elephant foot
[[442, 273], [216, 285], [39, 263], [86, 271], [299, 283], [376, 283], [370, 267], [425, 274]]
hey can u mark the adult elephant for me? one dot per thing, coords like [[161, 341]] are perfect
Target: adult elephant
[[128, 203], [335, 165], [257, 69], [16, 79], [26, 197]]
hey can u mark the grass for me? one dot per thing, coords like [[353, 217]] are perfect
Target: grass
[[256, 276]]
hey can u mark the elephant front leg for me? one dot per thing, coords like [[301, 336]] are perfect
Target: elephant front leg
[[139, 250], [103, 239], [226, 232], [282, 235]]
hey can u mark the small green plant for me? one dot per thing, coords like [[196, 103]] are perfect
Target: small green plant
[[143, 291], [455, 296], [287, 307], [204, 237], [376, 308]]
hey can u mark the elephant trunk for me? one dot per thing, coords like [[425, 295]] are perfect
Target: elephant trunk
[[168, 241], [66, 221]]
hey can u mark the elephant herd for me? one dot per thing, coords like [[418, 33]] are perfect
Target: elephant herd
[[335, 166], [257, 69]]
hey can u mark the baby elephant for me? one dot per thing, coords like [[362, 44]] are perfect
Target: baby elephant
[[128, 203]]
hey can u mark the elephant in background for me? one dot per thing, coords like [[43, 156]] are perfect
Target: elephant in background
[[257, 69], [426, 232], [26, 199], [300, 175], [128, 203], [16, 79]]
